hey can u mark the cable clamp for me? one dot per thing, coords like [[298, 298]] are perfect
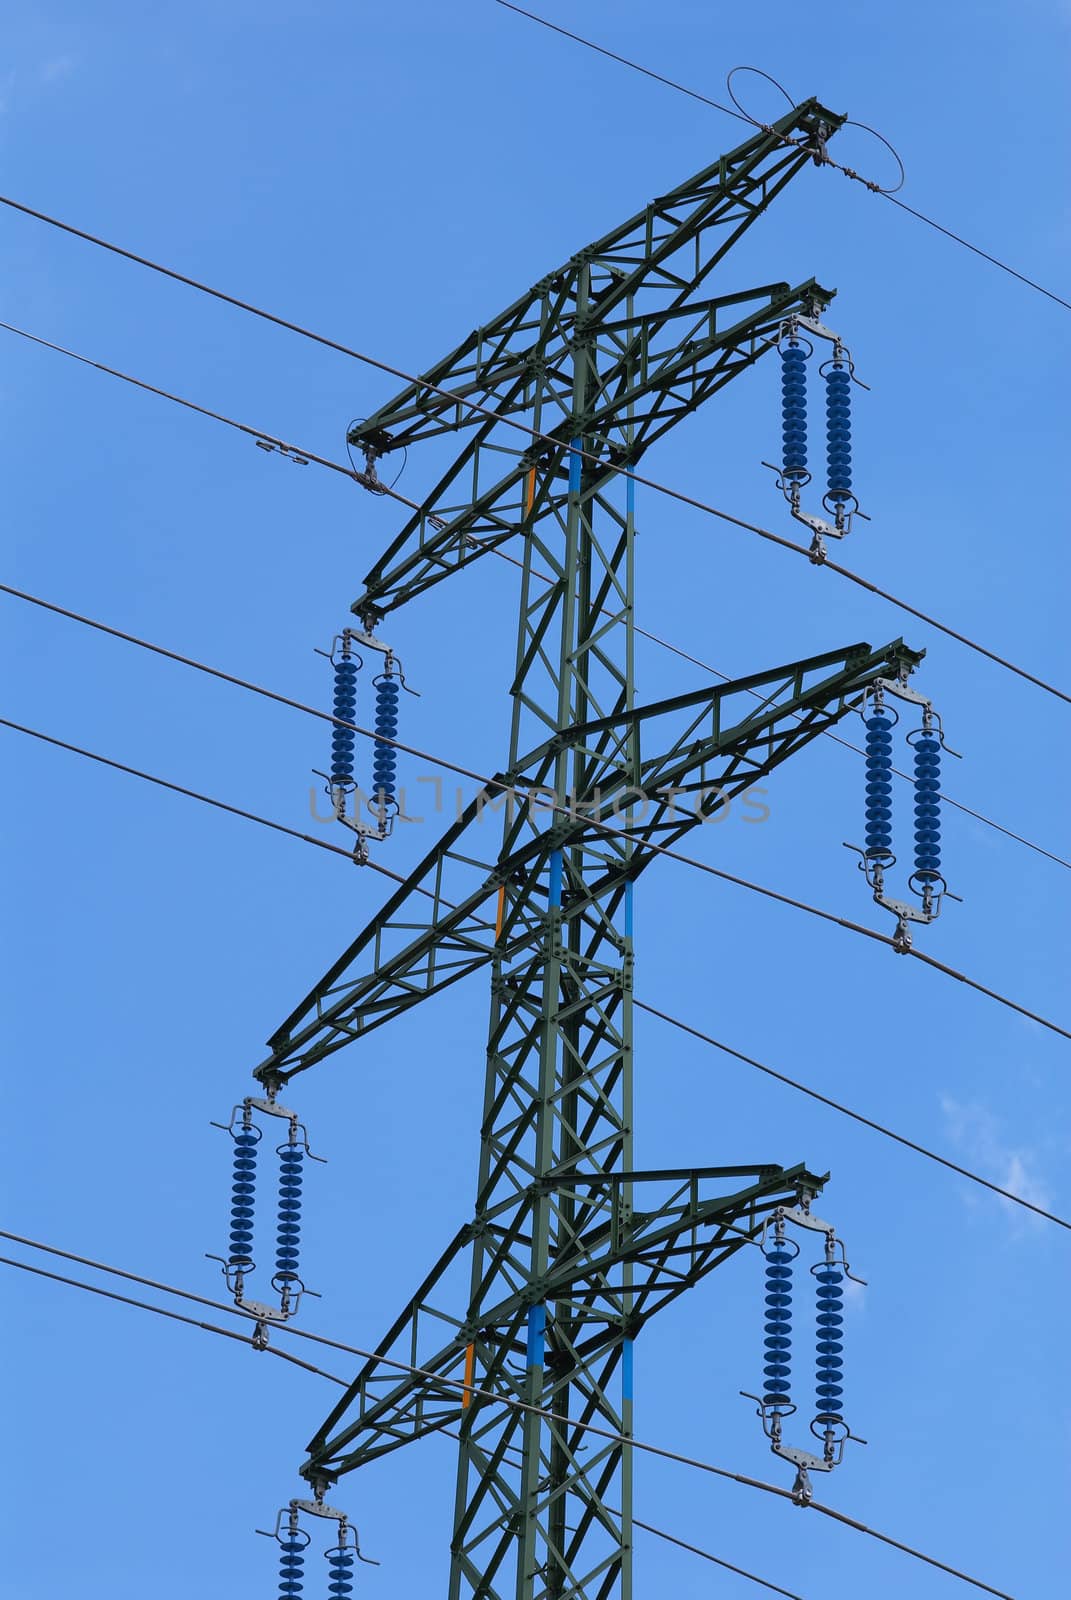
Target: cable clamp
[[802, 1490], [270, 446]]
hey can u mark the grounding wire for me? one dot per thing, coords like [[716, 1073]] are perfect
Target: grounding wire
[[849, 172], [648, 845], [530, 433], [492, 1397], [325, 716], [602, 50]]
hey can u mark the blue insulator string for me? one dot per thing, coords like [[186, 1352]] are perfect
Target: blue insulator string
[[927, 808], [829, 1364], [778, 1330], [839, 435], [243, 1189], [340, 1560], [289, 1230], [879, 777], [291, 1562], [384, 756], [794, 413], [344, 709]]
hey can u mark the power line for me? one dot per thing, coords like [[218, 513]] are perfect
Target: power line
[[530, 434], [828, 1511], [828, 733], [1013, 272], [676, 1022], [261, 436], [492, 1397], [624, 833], [228, 1333], [601, 50], [942, 627], [707, 1555], [856, 749], [693, 94], [194, 794], [374, 485], [856, 1116], [174, 1316], [324, 716]]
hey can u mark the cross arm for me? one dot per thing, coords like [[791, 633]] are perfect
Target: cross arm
[[653, 368], [668, 247], [441, 925], [679, 1237]]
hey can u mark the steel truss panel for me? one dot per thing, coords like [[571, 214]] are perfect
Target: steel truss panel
[[570, 1250]]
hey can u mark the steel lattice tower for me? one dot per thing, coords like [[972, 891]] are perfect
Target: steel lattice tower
[[570, 1250]]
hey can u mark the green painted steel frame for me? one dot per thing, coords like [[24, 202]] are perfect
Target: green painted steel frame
[[406, 954], [661, 353], [565, 1267]]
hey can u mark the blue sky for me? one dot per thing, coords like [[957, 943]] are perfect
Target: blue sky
[[393, 176]]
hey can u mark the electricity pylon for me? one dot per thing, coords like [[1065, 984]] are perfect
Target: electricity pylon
[[570, 1250]]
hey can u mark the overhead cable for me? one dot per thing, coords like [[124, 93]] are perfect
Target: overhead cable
[[856, 1116], [716, 105], [194, 794], [473, 1394], [173, 1316], [603, 827], [326, 716], [530, 434]]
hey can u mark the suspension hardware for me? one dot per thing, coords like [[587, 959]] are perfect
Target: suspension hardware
[[795, 349], [877, 858], [294, 1541], [239, 1263], [775, 1404], [382, 803]]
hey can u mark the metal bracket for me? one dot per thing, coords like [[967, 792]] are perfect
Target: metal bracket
[[363, 830], [318, 1508], [819, 329], [261, 1312], [820, 528], [369, 640], [804, 1461], [900, 690], [802, 1219], [271, 1108]]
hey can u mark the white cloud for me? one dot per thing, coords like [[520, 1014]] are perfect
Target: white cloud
[[976, 1131]]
